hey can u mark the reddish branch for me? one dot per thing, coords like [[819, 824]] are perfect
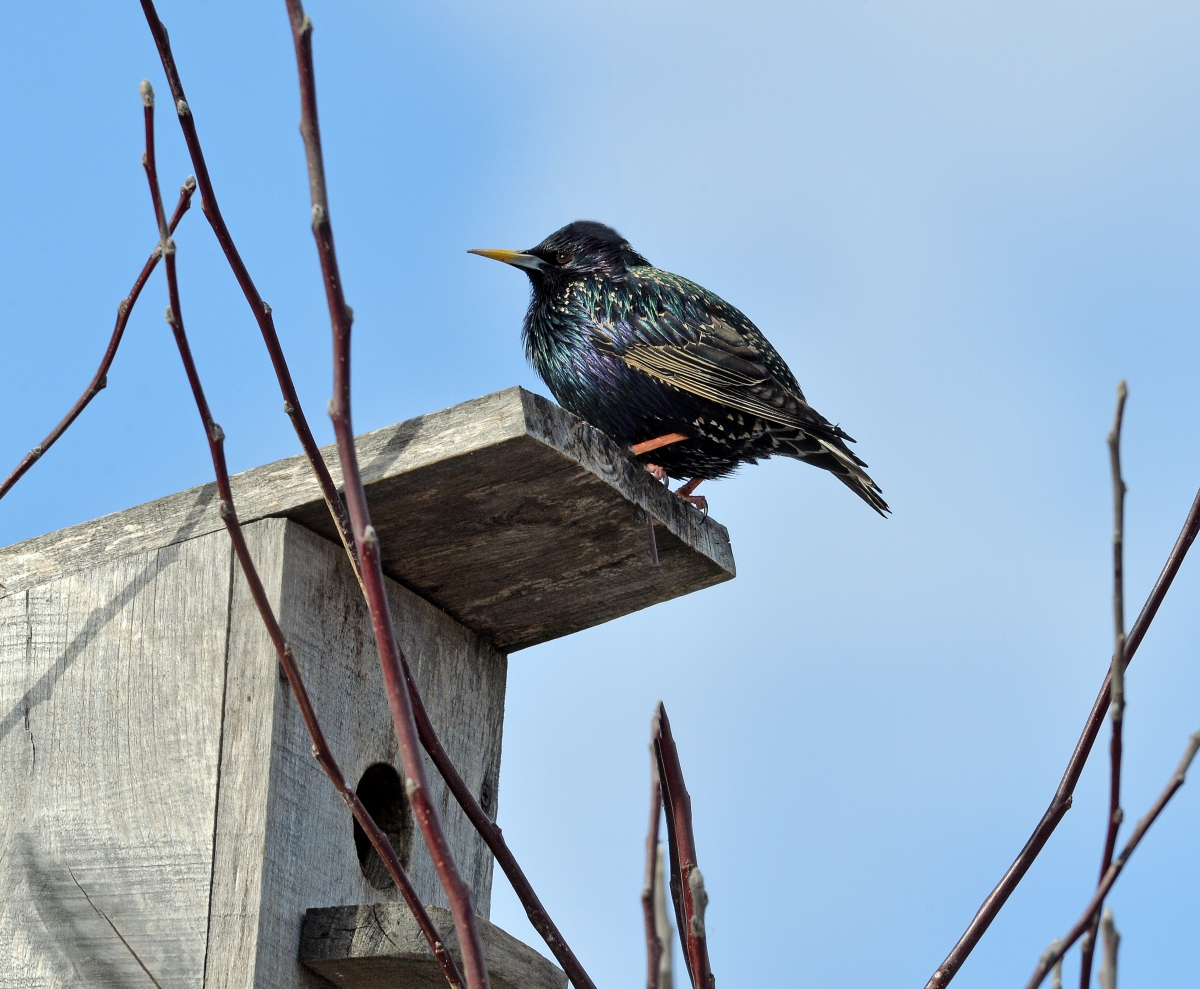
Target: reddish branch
[[416, 784], [1116, 674], [291, 404], [1063, 796], [216, 446], [100, 379], [1092, 911], [687, 882], [492, 835], [261, 311], [654, 946]]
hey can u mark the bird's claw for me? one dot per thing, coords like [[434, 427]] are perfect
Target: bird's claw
[[698, 501], [658, 473]]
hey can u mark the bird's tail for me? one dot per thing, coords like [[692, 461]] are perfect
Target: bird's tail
[[832, 454]]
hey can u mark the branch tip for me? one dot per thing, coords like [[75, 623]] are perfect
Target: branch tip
[[147, 93]]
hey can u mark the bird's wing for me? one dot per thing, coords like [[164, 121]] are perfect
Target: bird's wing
[[687, 337]]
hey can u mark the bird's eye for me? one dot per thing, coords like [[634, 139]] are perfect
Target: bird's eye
[[562, 257]]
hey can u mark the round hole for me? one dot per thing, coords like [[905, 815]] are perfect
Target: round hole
[[382, 792]]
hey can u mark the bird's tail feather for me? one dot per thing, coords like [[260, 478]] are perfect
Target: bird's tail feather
[[834, 456]]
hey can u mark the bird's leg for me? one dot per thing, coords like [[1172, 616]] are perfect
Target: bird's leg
[[685, 492], [657, 443], [658, 473]]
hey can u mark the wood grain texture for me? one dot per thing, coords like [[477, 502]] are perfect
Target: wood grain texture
[[150, 749], [110, 694], [509, 513], [284, 839], [380, 947]]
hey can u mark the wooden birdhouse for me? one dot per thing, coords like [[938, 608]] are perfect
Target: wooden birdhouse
[[164, 817]]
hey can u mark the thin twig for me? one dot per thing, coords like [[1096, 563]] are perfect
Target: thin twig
[[687, 882], [1092, 910], [1112, 941], [100, 379], [494, 838], [216, 444], [654, 947], [662, 922], [458, 893], [128, 947], [1063, 796], [260, 310], [1116, 674]]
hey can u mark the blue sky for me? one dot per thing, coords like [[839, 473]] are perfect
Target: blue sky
[[961, 224]]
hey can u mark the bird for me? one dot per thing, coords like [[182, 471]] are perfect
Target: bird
[[666, 367]]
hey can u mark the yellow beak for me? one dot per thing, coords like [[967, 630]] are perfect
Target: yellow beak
[[518, 258]]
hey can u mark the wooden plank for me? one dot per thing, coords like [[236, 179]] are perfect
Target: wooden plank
[[380, 947], [284, 839], [110, 695], [516, 518]]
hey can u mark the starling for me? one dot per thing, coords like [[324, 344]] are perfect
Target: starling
[[667, 367]]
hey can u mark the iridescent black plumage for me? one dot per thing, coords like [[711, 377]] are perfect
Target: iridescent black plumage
[[639, 352]]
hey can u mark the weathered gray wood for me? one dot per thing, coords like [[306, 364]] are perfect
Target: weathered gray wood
[[110, 695], [149, 746], [284, 839], [381, 947], [509, 513]]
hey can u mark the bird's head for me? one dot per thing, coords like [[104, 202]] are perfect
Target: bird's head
[[578, 250]]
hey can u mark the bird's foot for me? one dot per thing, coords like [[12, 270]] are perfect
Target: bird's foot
[[658, 473], [685, 492]]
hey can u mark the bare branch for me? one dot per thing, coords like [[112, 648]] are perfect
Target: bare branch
[[662, 921], [1116, 672], [1092, 910], [1112, 941], [258, 308], [416, 783], [687, 885], [494, 838], [654, 947], [100, 379], [1063, 796], [320, 749]]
